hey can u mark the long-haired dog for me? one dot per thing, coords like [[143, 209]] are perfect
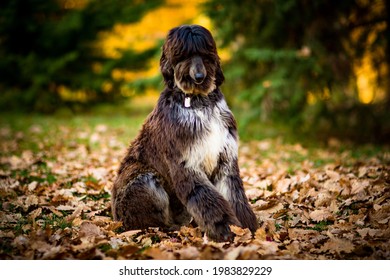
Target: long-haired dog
[[183, 164]]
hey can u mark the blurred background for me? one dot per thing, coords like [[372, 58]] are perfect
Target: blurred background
[[313, 69]]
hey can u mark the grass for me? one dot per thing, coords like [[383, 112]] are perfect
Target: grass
[[53, 221], [125, 120], [321, 226]]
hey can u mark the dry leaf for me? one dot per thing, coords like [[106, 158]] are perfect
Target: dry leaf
[[75, 213], [320, 215], [323, 199], [242, 235], [88, 229], [56, 201], [34, 214], [156, 253], [188, 253], [338, 245], [359, 186], [30, 201], [267, 248], [31, 187], [333, 175], [242, 253], [367, 232]]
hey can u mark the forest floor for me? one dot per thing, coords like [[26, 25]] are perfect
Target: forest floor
[[56, 173]]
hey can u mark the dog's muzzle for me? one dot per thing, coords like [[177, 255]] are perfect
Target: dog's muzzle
[[197, 70]]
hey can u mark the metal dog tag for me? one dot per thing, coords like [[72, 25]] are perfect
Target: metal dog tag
[[187, 102]]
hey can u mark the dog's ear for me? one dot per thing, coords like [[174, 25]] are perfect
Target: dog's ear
[[219, 77], [166, 68]]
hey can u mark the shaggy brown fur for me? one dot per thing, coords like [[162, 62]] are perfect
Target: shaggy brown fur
[[183, 164]]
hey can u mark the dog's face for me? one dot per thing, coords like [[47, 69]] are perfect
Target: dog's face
[[190, 60]]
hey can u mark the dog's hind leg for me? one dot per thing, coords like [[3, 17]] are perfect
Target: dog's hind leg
[[141, 203]]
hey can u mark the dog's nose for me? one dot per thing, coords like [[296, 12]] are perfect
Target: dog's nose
[[199, 77]]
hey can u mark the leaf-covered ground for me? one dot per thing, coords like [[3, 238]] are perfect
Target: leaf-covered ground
[[311, 203]]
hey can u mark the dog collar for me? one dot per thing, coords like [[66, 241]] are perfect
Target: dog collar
[[187, 101]]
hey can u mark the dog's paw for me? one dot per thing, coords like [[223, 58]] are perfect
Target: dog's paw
[[221, 233]]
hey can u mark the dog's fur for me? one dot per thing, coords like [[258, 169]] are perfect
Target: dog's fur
[[183, 164]]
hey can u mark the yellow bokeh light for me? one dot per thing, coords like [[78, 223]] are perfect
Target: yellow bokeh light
[[146, 34], [152, 27]]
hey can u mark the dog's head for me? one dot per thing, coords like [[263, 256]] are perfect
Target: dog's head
[[190, 60]]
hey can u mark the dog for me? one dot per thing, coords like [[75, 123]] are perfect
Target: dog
[[183, 163]]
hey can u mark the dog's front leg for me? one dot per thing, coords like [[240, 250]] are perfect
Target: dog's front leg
[[235, 194], [207, 206]]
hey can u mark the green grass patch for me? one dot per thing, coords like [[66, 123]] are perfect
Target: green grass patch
[[321, 226], [54, 221]]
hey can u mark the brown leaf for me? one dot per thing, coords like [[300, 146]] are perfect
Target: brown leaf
[[31, 187], [128, 250], [338, 245], [254, 193], [323, 199], [40, 246], [114, 225], [260, 234], [367, 232], [188, 253], [283, 185], [320, 215], [30, 200], [75, 213], [189, 234], [333, 175], [359, 186], [211, 252], [53, 210], [242, 235], [88, 229], [334, 207], [129, 233], [294, 248], [158, 254], [34, 214], [333, 186], [242, 253], [268, 248], [302, 234]]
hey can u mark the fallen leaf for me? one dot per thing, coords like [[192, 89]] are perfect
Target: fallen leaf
[[31, 187], [188, 253], [88, 229], [75, 213], [320, 215], [158, 254], [242, 235], [338, 245], [267, 248], [242, 253], [30, 201], [367, 232]]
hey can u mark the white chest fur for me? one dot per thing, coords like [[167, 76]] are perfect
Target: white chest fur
[[204, 153]]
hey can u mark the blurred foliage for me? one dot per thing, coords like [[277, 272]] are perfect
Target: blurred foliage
[[49, 54], [318, 66]]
